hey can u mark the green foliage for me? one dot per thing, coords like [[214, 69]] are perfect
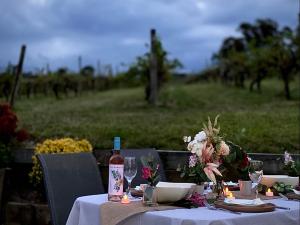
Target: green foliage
[[235, 165], [263, 51], [292, 168], [283, 188], [194, 174], [5, 156]]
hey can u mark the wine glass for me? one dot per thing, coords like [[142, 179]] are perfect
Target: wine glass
[[130, 170], [256, 173]]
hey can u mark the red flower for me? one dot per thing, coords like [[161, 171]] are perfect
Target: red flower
[[146, 173], [22, 135], [5, 109], [245, 161], [9, 124]]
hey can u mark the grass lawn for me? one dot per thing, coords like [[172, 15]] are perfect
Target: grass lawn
[[263, 122]]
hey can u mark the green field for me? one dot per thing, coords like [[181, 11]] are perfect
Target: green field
[[270, 123]]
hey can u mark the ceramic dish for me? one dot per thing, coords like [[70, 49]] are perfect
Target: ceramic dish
[[269, 180], [172, 192]]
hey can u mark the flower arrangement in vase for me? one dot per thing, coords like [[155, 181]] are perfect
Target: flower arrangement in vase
[[151, 175], [150, 170], [207, 152]]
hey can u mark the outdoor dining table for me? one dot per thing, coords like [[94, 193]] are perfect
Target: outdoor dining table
[[86, 211]]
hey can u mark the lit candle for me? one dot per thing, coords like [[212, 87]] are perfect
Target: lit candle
[[226, 191], [125, 199], [269, 193], [230, 196]]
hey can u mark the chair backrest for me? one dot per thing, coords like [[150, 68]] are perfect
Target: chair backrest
[[67, 177], [138, 153]]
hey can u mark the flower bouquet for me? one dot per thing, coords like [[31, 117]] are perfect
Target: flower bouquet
[[207, 152], [290, 166]]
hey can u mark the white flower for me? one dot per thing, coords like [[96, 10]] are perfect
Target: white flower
[[195, 147], [187, 138], [199, 150], [201, 136], [287, 158], [191, 145]]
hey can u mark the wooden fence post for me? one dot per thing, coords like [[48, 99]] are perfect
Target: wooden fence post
[[18, 74], [79, 64], [153, 69]]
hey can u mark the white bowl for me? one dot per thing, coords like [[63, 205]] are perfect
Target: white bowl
[[172, 192], [269, 180]]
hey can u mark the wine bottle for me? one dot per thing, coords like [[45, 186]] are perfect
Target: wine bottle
[[116, 173]]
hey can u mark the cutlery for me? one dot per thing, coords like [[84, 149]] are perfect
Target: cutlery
[[280, 207], [211, 207], [283, 197]]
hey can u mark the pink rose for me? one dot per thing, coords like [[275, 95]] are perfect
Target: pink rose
[[224, 149], [146, 173]]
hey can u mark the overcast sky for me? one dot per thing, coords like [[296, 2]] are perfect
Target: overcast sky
[[115, 31]]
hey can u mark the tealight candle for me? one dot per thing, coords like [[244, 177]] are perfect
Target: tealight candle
[[125, 199], [230, 196], [226, 191], [269, 193]]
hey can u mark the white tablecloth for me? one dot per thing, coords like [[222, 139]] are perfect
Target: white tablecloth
[[86, 211]]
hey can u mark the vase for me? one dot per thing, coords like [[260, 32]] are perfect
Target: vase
[[150, 196], [199, 188], [218, 189]]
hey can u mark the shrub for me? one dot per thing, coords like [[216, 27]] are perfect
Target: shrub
[[10, 133], [58, 146]]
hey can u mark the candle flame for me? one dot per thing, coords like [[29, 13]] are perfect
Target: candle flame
[[269, 190], [125, 197], [230, 194], [226, 190]]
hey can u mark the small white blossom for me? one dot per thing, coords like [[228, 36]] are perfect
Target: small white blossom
[[287, 158], [187, 138]]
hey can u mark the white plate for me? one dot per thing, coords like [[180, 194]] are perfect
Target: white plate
[[230, 183], [269, 180]]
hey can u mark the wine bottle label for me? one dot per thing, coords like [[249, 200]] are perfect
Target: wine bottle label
[[115, 186]]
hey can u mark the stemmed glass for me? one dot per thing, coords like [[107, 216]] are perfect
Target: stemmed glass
[[256, 173], [130, 170]]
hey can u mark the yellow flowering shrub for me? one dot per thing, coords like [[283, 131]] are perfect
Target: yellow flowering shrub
[[63, 145]]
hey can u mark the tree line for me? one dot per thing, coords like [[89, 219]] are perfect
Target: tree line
[[264, 50]]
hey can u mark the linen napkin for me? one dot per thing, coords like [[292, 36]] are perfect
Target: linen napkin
[[238, 195], [253, 202], [112, 213]]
